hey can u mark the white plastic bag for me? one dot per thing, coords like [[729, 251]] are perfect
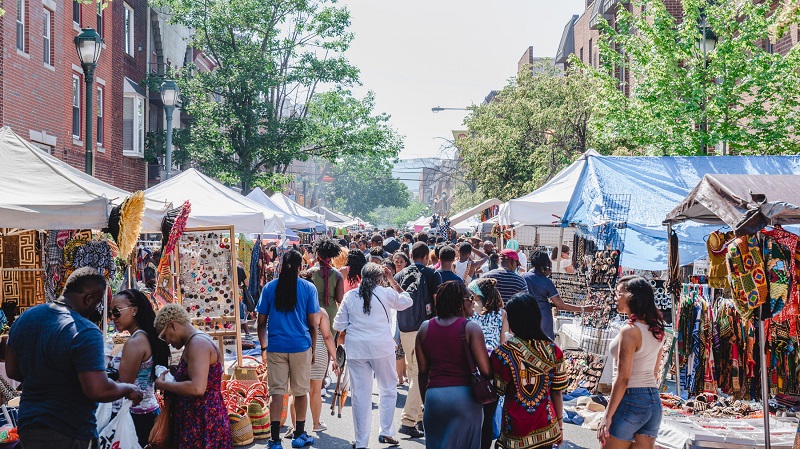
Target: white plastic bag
[[120, 433], [103, 415]]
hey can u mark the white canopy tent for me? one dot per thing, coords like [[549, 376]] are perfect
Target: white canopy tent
[[213, 204], [290, 220], [39, 191], [546, 205], [291, 207], [467, 225]]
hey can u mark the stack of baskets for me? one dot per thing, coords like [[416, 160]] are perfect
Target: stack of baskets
[[247, 400]]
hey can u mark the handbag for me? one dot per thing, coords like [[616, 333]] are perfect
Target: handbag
[[483, 388], [160, 436]]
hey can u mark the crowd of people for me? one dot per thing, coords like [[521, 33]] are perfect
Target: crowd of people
[[444, 316]]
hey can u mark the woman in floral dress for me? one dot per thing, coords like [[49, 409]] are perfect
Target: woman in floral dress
[[199, 417]]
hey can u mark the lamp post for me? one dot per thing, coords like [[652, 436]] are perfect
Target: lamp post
[[440, 109], [88, 45], [706, 44], [169, 96]]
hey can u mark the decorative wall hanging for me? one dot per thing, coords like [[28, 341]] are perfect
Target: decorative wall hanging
[[22, 270]]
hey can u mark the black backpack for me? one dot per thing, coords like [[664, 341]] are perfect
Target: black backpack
[[415, 283]]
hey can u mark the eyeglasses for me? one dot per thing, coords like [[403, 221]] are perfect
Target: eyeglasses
[[116, 312], [468, 299], [161, 336]]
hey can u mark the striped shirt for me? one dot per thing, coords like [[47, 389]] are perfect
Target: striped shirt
[[509, 283]]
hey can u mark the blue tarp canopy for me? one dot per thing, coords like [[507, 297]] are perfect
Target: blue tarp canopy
[[627, 198]]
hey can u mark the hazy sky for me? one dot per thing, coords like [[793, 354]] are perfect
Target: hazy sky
[[417, 54]]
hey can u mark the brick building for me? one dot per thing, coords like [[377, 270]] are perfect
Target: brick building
[[42, 89]]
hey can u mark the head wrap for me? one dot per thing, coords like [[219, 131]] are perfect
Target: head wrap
[[473, 287]]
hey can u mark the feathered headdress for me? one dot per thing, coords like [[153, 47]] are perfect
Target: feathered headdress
[[130, 223]]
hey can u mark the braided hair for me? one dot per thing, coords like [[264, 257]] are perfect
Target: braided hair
[[492, 301]]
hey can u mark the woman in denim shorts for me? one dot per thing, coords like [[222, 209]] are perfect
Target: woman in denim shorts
[[633, 414]]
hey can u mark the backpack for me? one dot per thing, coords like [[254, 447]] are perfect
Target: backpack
[[415, 283]]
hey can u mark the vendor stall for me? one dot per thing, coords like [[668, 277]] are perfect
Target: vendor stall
[[760, 266]]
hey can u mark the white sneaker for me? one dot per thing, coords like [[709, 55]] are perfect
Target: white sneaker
[[324, 393], [321, 427]]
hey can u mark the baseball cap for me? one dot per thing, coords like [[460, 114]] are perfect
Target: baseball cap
[[509, 254]]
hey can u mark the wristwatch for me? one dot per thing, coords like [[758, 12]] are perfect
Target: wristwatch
[[263, 349]]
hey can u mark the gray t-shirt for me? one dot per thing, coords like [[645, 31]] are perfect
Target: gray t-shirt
[[53, 344]]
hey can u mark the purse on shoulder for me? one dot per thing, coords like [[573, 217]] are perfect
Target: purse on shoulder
[[482, 387]]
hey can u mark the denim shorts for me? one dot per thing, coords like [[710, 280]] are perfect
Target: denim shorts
[[639, 413]]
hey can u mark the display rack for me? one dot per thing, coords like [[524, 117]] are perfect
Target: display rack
[[207, 285]]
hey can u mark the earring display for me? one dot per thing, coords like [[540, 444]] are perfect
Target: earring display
[[207, 285]]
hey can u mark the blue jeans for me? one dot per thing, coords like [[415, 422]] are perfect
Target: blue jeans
[[639, 413]]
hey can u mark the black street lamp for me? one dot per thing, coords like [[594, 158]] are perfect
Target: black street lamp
[[89, 44], [169, 96], [706, 44]]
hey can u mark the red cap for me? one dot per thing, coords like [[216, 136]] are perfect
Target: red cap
[[509, 254]]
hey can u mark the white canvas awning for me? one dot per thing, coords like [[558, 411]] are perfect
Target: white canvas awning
[[473, 211], [213, 204], [291, 207], [290, 220]]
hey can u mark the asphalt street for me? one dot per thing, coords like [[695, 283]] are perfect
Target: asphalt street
[[340, 434]]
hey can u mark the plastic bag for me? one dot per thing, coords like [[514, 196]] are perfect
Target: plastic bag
[[103, 415], [497, 422], [120, 433]]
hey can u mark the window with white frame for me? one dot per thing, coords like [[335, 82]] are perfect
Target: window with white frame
[[133, 123], [100, 18], [129, 24], [99, 116], [76, 106], [21, 25], [47, 45], [76, 12]]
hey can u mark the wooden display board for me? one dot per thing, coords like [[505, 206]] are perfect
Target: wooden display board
[[207, 283]]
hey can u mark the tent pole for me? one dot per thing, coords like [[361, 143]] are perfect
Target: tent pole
[[764, 379], [558, 248], [675, 352]]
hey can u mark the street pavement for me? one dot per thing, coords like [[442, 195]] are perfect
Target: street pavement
[[340, 433]]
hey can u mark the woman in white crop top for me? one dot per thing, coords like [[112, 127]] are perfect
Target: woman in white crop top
[[633, 415]]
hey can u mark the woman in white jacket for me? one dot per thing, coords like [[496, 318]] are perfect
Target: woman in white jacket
[[365, 317]]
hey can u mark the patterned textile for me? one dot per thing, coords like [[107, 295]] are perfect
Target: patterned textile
[[777, 260], [255, 285], [18, 252], [792, 307], [95, 254], [201, 422], [746, 274], [718, 270], [244, 251], [54, 269], [491, 324], [525, 374], [695, 330]]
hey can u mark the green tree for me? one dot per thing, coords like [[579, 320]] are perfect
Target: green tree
[[363, 183], [534, 127], [257, 110], [685, 97], [398, 217]]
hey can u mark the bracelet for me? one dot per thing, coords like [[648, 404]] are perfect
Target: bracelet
[[263, 349]]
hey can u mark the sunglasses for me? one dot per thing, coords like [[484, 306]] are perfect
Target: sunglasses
[[162, 335], [116, 312]]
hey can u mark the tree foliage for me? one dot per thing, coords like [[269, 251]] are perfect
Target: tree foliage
[[261, 106], [398, 217], [684, 100], [363, 183], [534, 127]]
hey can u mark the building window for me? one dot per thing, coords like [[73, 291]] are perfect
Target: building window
[[129, 30], [76, 106], [47, 46], [76, 12], [581, 55], [591, 59], [21, 25], [100, 18], [133, 126], [99, 116]]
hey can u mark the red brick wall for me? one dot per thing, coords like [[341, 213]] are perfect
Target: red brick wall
[[40, 99]]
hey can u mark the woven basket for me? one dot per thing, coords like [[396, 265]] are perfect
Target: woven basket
[[250, 371], [259, 418], [241, 428]]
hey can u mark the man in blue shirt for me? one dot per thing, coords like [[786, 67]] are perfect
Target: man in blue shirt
[[58, 355], [447, 257], [291, 305]]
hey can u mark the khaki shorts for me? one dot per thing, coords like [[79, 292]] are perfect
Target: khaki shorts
[[284, 368]]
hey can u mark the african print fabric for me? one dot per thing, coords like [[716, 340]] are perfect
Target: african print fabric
[[525, 372], [777, 260], [792, 306], [21, 260], [718, 270], [746, 274]]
